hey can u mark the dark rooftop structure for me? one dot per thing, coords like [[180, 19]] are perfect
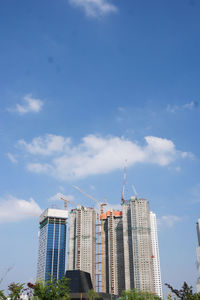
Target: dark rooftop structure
[[81, 283]]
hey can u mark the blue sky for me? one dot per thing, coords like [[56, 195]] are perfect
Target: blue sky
[[85, 86]]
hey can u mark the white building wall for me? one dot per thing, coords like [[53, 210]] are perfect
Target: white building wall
[[41, 264], [71, 242], [82, 241], [88, 243], [156, 257], [137, 245]]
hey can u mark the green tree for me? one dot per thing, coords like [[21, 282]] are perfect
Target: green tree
[[51, 290], [15, 291], [2, 296], [138, 295], [92, 295], [185, 293]]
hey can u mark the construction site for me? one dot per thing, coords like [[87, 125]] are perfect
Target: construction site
[[119, 248]]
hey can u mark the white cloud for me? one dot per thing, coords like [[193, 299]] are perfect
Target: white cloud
[[47, 145], [121, 109], [178, 169], [12, 158], [95, 155], [30, 105], [172, 108], [13, 209], [39, 168], [160, 151], [187, 155], [95, 8], [187, 106], [190, 105], [92, 187], [168, 221]]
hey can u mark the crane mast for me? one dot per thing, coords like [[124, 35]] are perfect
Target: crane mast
[[67, 200]]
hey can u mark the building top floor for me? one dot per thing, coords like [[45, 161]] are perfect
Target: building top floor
[[54, 213]]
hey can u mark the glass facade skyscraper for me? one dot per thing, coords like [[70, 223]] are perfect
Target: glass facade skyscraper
[[52, 244]]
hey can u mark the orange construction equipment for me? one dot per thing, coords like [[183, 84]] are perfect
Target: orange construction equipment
[[67, 200]]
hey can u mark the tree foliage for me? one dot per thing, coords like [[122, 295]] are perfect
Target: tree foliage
[[185, 293], [92, 295], [138, 295], [2, 296], [51, 290], [15, 290]]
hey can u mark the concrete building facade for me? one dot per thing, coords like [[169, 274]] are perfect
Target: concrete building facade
[[52, 244], [138, 261], [82, 241], [113, 252], [155, 256]]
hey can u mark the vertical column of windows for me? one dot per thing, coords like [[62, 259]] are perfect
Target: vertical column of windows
[[49, 256], [62, 250], [55, 250]]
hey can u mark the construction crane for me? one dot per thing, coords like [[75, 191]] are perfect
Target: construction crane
[[67, 200], [99, 213], [134, 191], [87, 195]]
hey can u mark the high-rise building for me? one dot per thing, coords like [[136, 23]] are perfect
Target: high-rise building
[[113, 252], [52, 244], [198, 254], [82, 241], [138, 261], [155, 256]]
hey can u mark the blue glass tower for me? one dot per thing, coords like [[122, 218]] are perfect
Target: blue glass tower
[[52, 244]]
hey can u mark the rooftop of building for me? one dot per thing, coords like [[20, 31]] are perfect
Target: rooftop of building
[[115, 213], [54, 213]]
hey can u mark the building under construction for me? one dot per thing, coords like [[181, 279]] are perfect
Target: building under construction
[[113, 252], [138, 254], [118, 248], [156, 256], [82, 241]]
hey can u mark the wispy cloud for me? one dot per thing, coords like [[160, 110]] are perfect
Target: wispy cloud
[[95, 155], [13, 209], [95, 8], [12, 158], [168, 221], [187, 106], [121, 109], [47, 145], [29, 105], [58, 196]]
